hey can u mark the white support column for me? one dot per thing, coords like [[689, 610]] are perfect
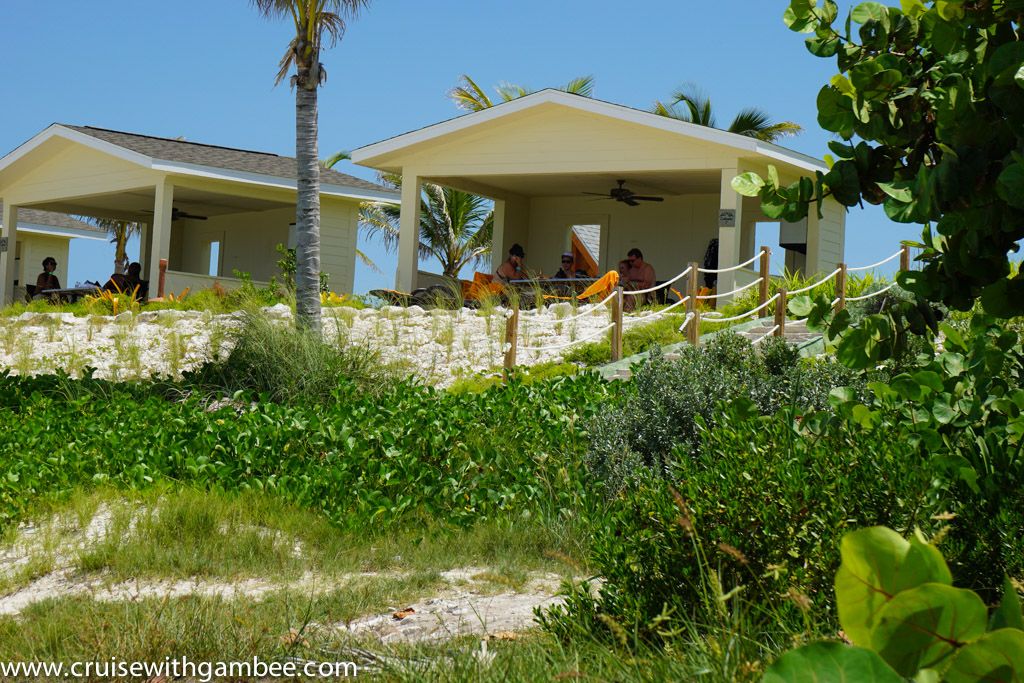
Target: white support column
[[409, 233], [730, 222], [145, 247], [498, 238], [8, 239], [160, 230]]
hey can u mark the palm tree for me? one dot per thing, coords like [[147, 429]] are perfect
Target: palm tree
[[120, 232], [471, 97], [314, 20], [456, 227], [689, 104]]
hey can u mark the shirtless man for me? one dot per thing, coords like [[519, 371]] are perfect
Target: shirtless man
[[512, 268], [636, 274]]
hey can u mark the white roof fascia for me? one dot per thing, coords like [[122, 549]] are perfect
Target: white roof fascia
[[59, 231], [587, 104], [57, 130], [250, 178]]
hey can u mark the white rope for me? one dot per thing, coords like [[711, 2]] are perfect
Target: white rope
[[835, 301], [726, 270], [713, 319], [689, 317], [735, 291], [589, 311], [555, 347], [764, 336], [816, 284], [654, 315], [874, 265], [868, 296], [635, 292]]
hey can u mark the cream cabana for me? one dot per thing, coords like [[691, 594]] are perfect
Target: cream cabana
[[538, 156], [208, 210]]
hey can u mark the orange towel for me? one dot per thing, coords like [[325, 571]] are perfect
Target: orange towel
[[603, 287], [482, 286]]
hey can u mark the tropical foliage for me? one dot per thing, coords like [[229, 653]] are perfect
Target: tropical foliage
[[315, 22], [471, 97], [929, 106], [689, 104], [456, 227], [120, 232]]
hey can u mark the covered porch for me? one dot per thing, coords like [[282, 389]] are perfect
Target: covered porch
[[208, 211], [544, 157]]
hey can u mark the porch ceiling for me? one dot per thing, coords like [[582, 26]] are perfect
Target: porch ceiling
[[561, 185], [138, 204]]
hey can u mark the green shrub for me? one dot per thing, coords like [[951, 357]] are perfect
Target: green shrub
[[762, 504], [284, 364], [659, 411]]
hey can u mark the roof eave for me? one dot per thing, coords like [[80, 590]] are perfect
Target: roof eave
[[376, 155]]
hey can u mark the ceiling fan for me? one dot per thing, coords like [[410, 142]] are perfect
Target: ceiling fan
[[626, 196], [177, 214]]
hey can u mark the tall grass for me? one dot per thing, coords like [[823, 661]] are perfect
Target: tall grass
[[287, 365]]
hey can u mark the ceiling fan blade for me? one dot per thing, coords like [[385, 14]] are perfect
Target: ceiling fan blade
[[630, 202], [598, 194], [647, 199]]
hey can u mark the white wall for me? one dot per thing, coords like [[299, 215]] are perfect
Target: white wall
[[32, 249], [670, 234], [249, 240]]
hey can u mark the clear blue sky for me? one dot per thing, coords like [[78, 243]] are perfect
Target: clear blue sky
[[205, 69]]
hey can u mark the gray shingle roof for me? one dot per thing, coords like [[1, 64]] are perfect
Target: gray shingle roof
[[590, 238], [53, 220], [245, 160]]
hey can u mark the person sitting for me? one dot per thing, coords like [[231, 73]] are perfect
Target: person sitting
[[569, 271], [635, 274], [512, 268], [47, 280], [126, 283]]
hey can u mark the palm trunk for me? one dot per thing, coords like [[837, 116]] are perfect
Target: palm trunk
[[307, 219]]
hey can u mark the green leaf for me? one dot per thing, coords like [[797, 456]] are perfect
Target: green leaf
[[902, 193], [921, 626], [913, 8], [1019, 77], [950, 10], [827, 661], [747, 184], [869, 11], [996, 656], [953, 337], [877, 564], [844, 182], [927, 378], [801, 306], [1010, 185], [1003, 298], [835, 112], [943, 412], [1008, 614]]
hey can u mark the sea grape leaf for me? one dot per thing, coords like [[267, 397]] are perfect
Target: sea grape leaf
[[878, 563], [829, 661], [1008, 613], [921, 626], [996, 656]]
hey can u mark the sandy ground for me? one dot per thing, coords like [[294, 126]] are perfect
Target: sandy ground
[[468, 605]]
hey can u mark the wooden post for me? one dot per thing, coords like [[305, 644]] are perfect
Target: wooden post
[[780, 313], [617, 306], [163, 278], [511, 339], [766, 255], [841, 287], [905, 258], [693, 328]]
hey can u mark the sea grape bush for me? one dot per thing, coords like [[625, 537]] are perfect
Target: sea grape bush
[[898, 607], [411, 454]]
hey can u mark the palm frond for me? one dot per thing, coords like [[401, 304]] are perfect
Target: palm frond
[[469, 96], [696, 102], [756, 123], [511, 91], [366, 260], [581, 85], [334, 159]]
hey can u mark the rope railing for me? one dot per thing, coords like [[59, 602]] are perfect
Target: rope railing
[[875, 265], [654, 315], [872, 294], [816, 284], [705, 297], [731, 268], [556, 347], [667, 283], [590, 311], [686, 321], [716, 319], [765, 336]]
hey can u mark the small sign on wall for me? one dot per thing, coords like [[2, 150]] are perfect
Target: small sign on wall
[[727, 218], [3, 244]]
